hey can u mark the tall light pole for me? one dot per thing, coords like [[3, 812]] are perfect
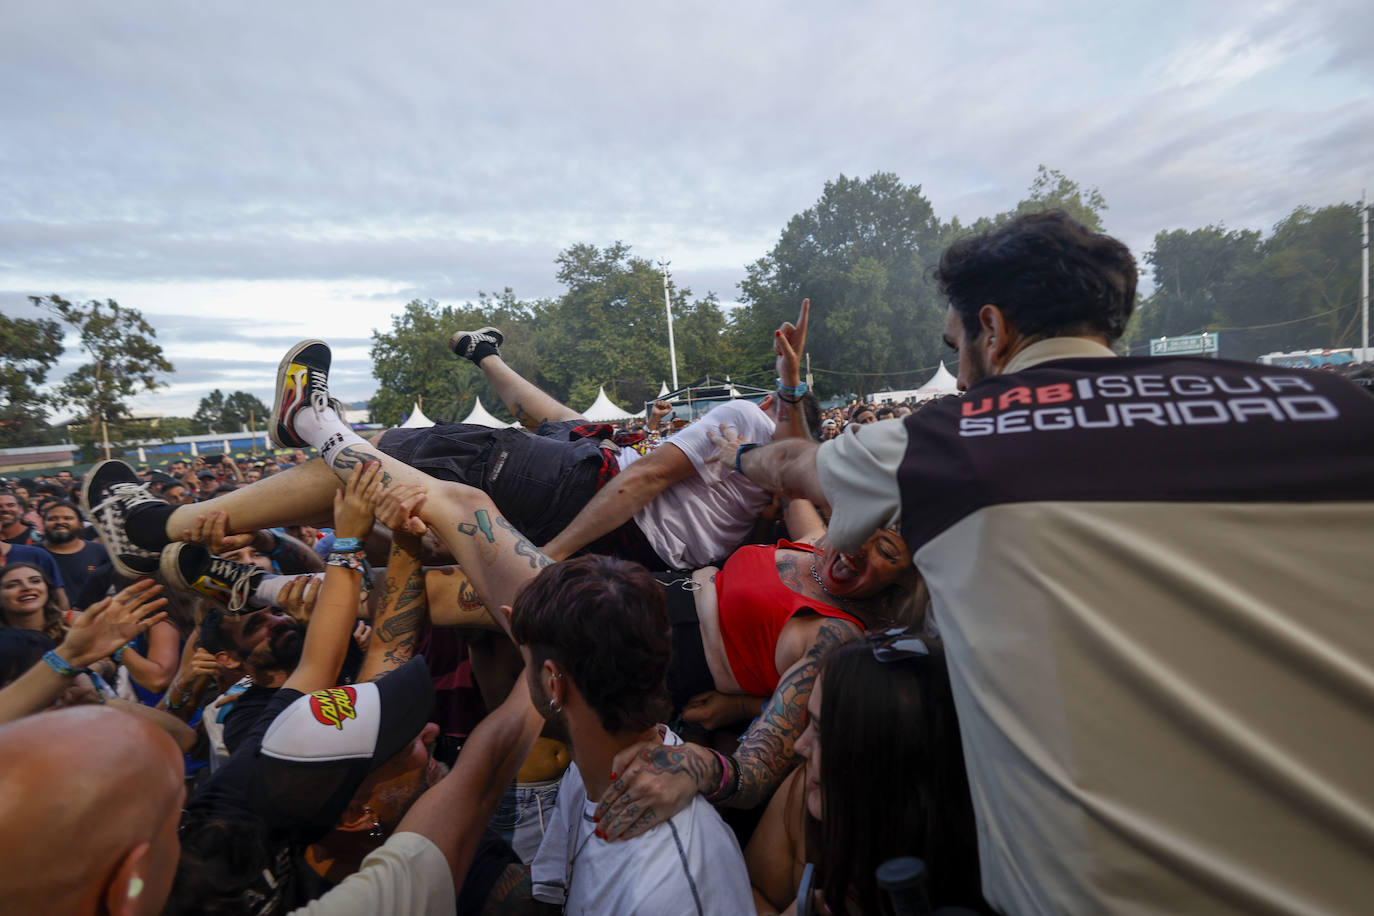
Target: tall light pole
[[668, 306], [1364, 276]]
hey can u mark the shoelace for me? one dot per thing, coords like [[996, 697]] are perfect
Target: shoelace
[[240, 580], [122, 495]]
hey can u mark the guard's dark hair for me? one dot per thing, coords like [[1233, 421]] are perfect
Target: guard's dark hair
[[605, 622], [1050, 276], [893, 781]]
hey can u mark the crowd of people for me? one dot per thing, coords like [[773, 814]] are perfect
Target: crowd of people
[[1090, 637]]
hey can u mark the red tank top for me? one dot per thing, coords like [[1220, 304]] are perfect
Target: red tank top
[[754, 605]]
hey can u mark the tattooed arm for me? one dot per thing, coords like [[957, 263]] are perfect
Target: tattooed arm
[[401, 610], [662, 780]]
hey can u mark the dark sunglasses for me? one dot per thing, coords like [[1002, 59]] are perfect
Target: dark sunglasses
[[896, 643]]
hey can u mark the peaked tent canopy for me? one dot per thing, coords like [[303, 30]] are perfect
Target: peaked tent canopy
[[480, 417], [603, 410], [417, 419], [942, 382]]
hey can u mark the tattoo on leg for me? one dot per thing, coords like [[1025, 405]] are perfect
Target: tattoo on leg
[[350, 457], [524, 548]]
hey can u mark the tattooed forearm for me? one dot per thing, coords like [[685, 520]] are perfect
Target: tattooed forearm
[[401, 612], [524, 548], [766, 754]]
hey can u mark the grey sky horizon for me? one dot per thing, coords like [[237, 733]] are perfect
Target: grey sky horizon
[[250, 174]]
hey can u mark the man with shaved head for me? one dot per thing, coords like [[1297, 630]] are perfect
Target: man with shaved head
[[91, 834]]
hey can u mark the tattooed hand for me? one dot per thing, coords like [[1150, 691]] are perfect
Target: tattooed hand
[[653, 783]]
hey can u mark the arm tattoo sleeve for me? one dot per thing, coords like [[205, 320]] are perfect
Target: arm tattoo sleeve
[[523, 547], [402, 611], [765, 755]]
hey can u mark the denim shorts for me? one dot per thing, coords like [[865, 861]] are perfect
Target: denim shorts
[[525, 810], [538, 481]]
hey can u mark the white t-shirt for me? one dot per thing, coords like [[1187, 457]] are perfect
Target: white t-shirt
[[690, 865], [408, 874], [698, 521]]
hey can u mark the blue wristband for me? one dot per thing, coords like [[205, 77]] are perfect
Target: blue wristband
[[739, 453], [59, 664], [345, 544], [119, 653]]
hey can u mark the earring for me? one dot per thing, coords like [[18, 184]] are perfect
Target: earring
[[376, 832], [554, 707]]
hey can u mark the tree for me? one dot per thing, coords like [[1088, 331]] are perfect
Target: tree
[[220, 414], [124, 358], [28, 349], [412, 361], [861, 254]]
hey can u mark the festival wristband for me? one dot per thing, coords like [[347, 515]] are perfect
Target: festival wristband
[[792, 391], [739, 453], [59, 664], [119, 653], [724, 776], [346, 544]]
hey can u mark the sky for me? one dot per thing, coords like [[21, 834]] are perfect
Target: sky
[[249, 174]]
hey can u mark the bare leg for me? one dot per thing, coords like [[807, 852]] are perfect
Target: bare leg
[[496, 557], [303, 495], [521, 397]]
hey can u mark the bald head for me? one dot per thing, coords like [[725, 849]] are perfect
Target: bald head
[[90, 798]]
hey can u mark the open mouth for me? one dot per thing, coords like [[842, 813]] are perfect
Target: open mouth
[[843, 568]]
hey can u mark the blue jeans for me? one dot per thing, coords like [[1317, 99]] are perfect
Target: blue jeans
[[525, 810]]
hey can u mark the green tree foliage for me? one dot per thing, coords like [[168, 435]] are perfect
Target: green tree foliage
[[861, 254], [608, 329], [124, 360], [28, 349], [412, 360], [220, 414], [1295, 290]]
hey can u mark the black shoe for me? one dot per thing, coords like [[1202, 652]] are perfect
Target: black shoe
[[194, 568], [476, 345], [110, 492], [302, 382]]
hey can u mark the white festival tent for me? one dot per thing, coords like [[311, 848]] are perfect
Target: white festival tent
[[417, 419], [480, 417], [603, 410], [939, 385]]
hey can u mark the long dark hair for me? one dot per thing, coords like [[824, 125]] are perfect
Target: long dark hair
[[892, 780], [53, 625]]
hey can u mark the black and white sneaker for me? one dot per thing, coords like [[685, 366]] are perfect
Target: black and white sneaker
[[476, 345], [302, 383], [194, 568], [109, 494]]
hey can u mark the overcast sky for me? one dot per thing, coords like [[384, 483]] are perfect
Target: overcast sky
[[251, 173]]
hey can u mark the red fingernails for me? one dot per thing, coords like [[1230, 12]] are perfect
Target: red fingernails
[[596, 818], [615, 776], [598, 832]]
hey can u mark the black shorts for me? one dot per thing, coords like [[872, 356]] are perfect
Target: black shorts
[[538, 481], [688, 672]]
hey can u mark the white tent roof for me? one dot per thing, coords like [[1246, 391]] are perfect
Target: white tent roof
[[480, 417], [662, 390], [417, 419], [940, 383], [603, 410]]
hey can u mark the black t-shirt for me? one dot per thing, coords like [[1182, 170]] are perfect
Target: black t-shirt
[[27, 538], [243, 720], [80, 567]]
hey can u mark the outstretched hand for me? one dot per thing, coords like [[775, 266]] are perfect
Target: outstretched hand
[[399, 509], [111, 623], [789, 342], [727, 443], [212, 529], [355, 503]]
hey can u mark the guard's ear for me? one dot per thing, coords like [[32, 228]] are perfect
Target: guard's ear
[[124, 893], [767, 403], [355, 818], [227, 660]]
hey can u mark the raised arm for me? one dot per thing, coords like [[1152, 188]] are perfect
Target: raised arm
[[402, 608], [789, 342], [336, 609], [787, 467], [617, 502]]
